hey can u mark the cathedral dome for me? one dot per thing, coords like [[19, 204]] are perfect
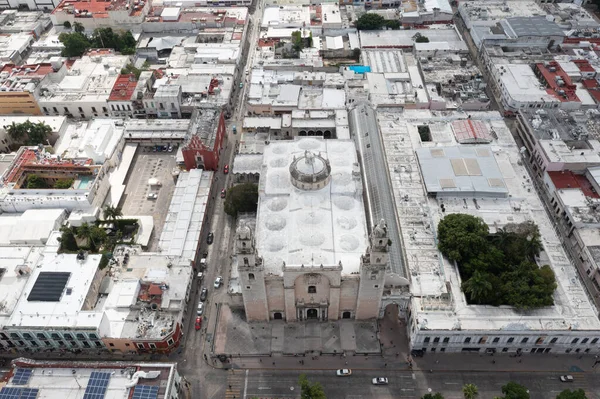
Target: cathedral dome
[[310, 171]]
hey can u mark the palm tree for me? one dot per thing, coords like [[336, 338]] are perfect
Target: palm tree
[[478, 286], [470, 391], [92, 234], [112, 212]]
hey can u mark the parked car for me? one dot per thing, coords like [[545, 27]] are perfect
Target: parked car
[[343, 372], [200, 276], [218, 281], [198, 324], [210, 238], [203, 262], [203, 294], [241, 85], [566, 378], [380, 381], [223, 193], [226, 169], [152, 195], [200, 309]]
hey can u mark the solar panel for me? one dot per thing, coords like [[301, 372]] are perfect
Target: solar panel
[[145, 392], [18, 393], [97, 385], [22, 376], [49, 286]]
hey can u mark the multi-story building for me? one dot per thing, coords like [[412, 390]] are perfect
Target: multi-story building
[[28, 377], [202, 148], [469, 164], [94, 14], [83, 90], [19, 86]]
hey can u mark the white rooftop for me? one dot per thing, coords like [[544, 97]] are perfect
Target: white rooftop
[[522, 84], [97, 139], [418, 215], [301, 227]]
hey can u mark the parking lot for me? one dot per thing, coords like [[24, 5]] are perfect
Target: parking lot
[[150, 165]]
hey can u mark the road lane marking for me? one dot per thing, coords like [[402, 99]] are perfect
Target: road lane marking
[[246, 383]]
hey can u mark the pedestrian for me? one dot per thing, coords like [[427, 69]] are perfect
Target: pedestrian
[[229, 386], [494, 361], [385, 365], [273, 363], [260, 360]]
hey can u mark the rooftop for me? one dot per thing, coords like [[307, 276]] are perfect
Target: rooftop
[[435, 283], [329, 223], [97, 8], [56, 380], [534, 26], [97, 139], [405, 38], [123, 88]]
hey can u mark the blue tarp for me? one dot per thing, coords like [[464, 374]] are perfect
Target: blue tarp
[[360, 68]]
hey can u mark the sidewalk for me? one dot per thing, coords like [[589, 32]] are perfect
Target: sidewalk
[[543, 363]]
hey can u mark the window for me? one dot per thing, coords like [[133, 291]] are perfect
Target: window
[[14, 335], [376, 286], [426, 339], [93, 109], [40, 335], [80, 109], [128, 107], [373, 275], [539, 341], [93, 336], [73, 343], [312, 289], [86, 344], [68, 337], [247, 287], [80, 337], [504, 349], [553, 340], [436, 339], [111, 344], [250, 276], [112, 106], [33, 343], [583, 341], [55, 110], [140, 346], [27, 336], [66, 109], [524, 340], [594, 340], [126, 344], [98, 344], [104, 109], [575, 340], [496, 340], [152, 346], [173, 105], [446, 340], [54, 336], [467, 340], [511, 339], [60, 343], [45, 109], [170, 341]]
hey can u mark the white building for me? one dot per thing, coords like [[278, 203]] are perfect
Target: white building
[[83, 91], [439, 318], [54, 379]]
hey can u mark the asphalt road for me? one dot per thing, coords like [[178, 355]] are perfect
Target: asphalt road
[[405, 384]]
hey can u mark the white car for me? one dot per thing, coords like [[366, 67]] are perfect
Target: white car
[[200, 309], [152, 196], [218, 281], [343, 372], [380, 381], [566, 378]]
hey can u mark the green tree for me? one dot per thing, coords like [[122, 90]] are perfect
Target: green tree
[[63, 184], [433, 396], [470, 391], [241, 198], [512, 390], [34, 181], [310, 391], [478, 287], [67, 25], [76, 43], [122, 41], [78, 27], [28, 133], [131, 69], [67, 240], [421, 39], [568, 394], [93, 235], [370, 21], [462, 236], [297, 42], [112, 212]]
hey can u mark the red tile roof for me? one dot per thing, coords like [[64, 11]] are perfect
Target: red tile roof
[[568, 179], [551, 72], [123, 88]]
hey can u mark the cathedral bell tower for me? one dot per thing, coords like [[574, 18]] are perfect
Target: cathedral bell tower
[[372, 273], [251, 274]]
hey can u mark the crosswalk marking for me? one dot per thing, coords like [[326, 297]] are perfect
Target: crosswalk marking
[[235, 384]]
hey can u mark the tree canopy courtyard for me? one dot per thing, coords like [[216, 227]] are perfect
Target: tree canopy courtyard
[[497, 269]]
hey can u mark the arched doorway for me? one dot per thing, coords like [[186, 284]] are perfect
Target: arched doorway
[[312, 314], [302, 133], [277, 316], [346, 315]]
